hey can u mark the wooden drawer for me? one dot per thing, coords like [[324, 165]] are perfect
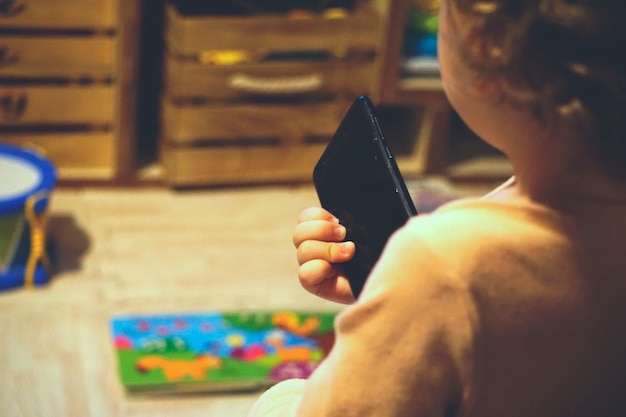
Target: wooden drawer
[[186, 79], [245, 143], [57, 56], [59, 14], [187, 35], [51, 105], [87, 155], [287, 123], [188, 166], [255, 98]]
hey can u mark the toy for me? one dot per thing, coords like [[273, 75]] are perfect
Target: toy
[[335, 13], [416, 44], [215, 350], [26, 182], [422, 27], [423, 21], [224, 57]]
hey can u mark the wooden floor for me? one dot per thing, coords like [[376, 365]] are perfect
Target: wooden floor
[[140, 251]]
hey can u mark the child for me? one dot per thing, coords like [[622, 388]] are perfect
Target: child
[[514, 304]]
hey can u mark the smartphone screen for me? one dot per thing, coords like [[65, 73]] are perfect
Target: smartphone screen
[[357, 179]]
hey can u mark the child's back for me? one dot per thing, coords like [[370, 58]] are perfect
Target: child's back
[[544, 292]]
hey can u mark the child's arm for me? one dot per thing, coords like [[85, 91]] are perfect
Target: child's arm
[[404, 348]]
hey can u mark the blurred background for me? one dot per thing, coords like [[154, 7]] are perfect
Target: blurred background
[[187, 93], [155, 156]]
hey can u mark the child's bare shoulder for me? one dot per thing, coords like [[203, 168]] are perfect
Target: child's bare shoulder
[[483, 216], [473, 230]]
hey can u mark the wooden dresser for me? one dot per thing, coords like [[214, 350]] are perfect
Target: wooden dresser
[[67, 83], [254, 98]]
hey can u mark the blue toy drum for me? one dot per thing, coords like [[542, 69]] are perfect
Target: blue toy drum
[[26, 184]]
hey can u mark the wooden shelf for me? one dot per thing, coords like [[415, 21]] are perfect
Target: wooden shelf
[[396, 89], [69, 84]]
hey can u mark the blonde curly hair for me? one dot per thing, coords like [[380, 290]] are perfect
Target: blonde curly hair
[[556, 57]]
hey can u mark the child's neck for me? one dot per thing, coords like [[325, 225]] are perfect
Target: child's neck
[[562, 170]]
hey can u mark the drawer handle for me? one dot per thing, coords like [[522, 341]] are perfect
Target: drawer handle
[[276, 86], [7, 57], [13, 106], [10, 8]]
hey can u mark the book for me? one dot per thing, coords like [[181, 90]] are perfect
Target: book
[[219, 351]]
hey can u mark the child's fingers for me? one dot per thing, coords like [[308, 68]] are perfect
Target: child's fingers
[[324, 280], [314, 272], [316, 213], [322, 230], [331, 252]]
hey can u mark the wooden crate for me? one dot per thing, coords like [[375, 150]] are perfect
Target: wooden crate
[[250, 99], [67, 70], [189, 124], [187, 35], [189, 166], [60, 14], [57, 105], [77, 155], [59, 56], [246, 143], [185, 79]]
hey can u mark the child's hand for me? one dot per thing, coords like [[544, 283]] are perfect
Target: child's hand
[[318, 237]]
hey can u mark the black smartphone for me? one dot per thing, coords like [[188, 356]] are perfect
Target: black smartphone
[[357, 179]]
